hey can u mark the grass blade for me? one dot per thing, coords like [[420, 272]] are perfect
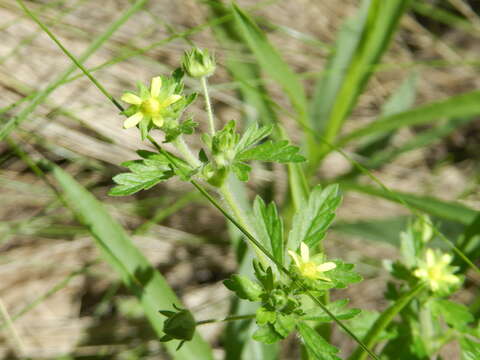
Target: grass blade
[[43, 94], [272, 63], [443, 209], [464, 105], [136, 272], [377, 31]]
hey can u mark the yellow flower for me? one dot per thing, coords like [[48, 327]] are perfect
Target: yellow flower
[[151, 104], [308, 267], [436, 271]]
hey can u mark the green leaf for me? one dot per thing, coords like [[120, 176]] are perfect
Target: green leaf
[[140, 277], [270, 225], [278, 151], [241, 170], [144, 174], [337, 308], [186, 127], [343, 274], [284, 324], [317, 346], [252, 135], [264, 316], [456, 315], [266, 334], [312, 221], [243, 287]]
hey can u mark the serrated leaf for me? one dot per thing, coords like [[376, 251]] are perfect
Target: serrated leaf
[[241, 170], [252, 135], [456, 315], [312, 221], [144, 174], [343, 274], [243, 287], [284, 324], [271, 225], [264, 316], [186, 127], [337, 308], [266, 334], [316, 345], [278, 151]]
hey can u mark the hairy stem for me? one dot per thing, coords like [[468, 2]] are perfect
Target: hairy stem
[[228, 318], [208, 104], [184, 149]]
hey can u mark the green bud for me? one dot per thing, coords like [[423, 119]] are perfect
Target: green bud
[[180, 325], [198, 63]]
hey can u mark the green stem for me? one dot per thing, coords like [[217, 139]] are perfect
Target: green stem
[[186, 152], [208, 104], [227, 319], [383, 321], [240, 215]]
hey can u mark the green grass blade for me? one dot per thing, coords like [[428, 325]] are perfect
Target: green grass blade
[[384, 320], [443, 209], [273, 64], [331, 80], [43, 94], [136, 272], [464, 105], [378, 29], [423, 139]]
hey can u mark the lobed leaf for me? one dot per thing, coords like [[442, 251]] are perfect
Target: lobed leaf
[[312, 221]]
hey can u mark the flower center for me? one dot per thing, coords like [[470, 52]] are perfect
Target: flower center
[[436, 273], [151, 106], [309, 269]]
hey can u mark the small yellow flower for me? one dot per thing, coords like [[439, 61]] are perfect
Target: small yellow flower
[[308, 267], [436, 271], [151, 104]]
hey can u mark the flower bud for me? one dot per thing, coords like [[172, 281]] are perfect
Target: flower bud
[[179, 325], [198, 63]]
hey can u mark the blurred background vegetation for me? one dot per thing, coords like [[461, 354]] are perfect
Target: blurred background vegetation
[[60, 300]]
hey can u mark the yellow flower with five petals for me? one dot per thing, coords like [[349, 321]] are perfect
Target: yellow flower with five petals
[[152, 104], [436, 271], [308, 267]]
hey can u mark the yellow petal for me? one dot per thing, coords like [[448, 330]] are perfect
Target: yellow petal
[[170, 100], [446, 259], [420, 273], [131, 99], [294, 257], [157, 120], [304, 252], [155, 86], [326, 266], [430, 257], [133, 120]]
